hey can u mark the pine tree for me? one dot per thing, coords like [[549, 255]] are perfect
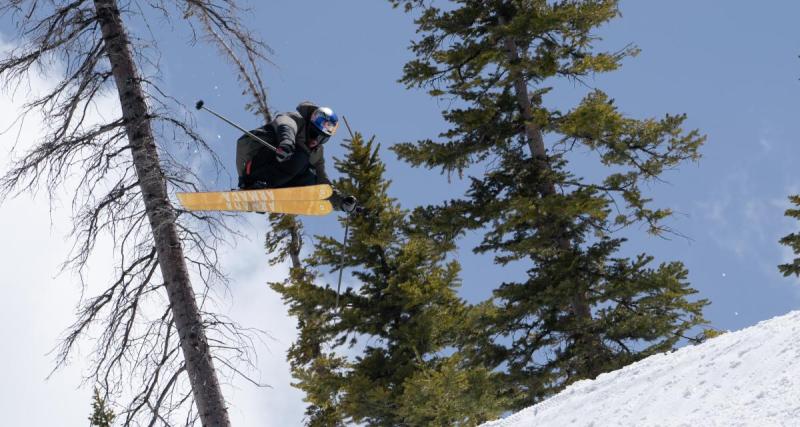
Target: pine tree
[[582, 309], [793, 241], [381, 359], [102, 416]]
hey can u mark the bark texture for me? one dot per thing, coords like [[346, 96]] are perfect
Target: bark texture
[[580, 304], [199, 364]]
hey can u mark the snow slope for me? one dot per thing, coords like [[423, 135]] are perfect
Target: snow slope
[[745, 378]]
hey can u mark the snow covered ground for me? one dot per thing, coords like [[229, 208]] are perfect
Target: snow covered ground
[[745, 378]]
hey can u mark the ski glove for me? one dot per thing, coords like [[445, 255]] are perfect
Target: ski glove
[[285, 150], [349, 204], [343, 203]]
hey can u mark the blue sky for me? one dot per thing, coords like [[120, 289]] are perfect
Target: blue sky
[[731, 66], [734, 69]]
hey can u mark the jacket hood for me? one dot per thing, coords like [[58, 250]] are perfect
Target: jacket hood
[[306, 108]]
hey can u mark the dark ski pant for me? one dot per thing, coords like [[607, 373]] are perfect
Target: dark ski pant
[[296, 171], [306, 178]]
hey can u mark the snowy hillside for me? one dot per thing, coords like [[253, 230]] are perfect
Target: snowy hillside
[[745, 378]]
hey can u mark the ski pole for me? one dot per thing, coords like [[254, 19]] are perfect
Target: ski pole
[[341, 259], [201, 106]]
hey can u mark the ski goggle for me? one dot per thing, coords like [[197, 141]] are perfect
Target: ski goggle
[[329, 128]]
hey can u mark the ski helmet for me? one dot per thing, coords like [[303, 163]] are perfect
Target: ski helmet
[[326, 122]]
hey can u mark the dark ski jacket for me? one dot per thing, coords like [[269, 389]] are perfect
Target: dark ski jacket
[[254, 162]]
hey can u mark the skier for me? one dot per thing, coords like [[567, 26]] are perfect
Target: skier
[[299, 160]]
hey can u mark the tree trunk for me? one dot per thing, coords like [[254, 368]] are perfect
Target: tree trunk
[[295, 246], [580, 304], [199, 364]]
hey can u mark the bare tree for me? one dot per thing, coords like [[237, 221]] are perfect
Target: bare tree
[[286, 230], [158, 340]]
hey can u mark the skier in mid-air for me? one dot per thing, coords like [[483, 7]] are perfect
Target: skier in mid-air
[[299, 160]]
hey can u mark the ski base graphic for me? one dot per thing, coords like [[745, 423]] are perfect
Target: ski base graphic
[[309, 200]]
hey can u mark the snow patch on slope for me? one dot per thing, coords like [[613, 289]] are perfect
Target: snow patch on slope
[[745, 378]]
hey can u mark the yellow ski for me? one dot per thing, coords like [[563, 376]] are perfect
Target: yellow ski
[[309, 200], [294, 207]]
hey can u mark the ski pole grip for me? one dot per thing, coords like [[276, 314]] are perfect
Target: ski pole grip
[[199, 104]]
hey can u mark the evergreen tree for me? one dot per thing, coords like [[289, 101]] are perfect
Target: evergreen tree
[[582, 309], [793, 241], [102, 416], [380, 358]]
